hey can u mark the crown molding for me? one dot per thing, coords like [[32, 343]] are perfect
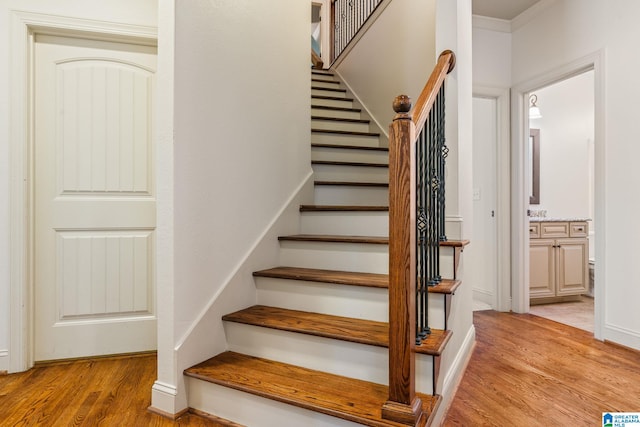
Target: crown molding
[[492, 24]]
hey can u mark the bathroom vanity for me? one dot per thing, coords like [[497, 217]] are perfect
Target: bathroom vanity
[[558, 259]]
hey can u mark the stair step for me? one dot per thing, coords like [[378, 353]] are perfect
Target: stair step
[[351, 278], [356, 164], [332, 101], [353, 184], [349, 399], [345, 218], [358, 194], [338, 123], [329, 92], [349, 329], [342, 208], [345, 132], [350, 147], [346, 113], [326, 238]]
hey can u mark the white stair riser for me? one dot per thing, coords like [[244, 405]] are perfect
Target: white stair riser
[[251, 410], [338, 125], [349, 155], [361, 361], [324, 92], [370, 258], [350, 173], [323, 112], [360, 302], [345, 139], [329, 84], [347, 195], [345, 223], [332, 102]]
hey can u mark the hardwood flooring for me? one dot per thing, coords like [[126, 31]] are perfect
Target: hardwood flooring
[[530, 371], [525, 371], [100, 392]]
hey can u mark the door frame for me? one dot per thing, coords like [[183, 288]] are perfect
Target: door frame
[[503, 196], [520, 197], [325, 29], [23, 28]]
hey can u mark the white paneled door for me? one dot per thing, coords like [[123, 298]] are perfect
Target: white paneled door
[[94, 198]]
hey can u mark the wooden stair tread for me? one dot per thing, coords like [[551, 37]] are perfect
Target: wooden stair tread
[[350, 399], [351, 278], [336, 163], [327, 107], [345, 132], [331, 98], [326, 276], [342, 208], [340, 119], [349, 147], [455, 243], [349, 329], [329, 238], [330, 89], [353, 184]]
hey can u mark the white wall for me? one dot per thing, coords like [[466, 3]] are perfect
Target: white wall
[[395, 56], [565, 32], [241, 150], [566, 145], [139, 12], [491, 55]]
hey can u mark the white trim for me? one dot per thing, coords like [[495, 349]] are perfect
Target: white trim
[[163, 398], [4, 361], [623, 336], [383, 129], [24, 25], [520, 125], [491, 24], [503, 196], [526, 16], [286, 206], [454, 375]]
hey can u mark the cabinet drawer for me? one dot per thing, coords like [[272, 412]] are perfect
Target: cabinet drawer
[[549, 230], [534, 230], [578, 229]]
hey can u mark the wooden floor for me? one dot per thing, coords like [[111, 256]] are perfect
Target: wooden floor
[[530, 371], [525, 371], [86, 393]]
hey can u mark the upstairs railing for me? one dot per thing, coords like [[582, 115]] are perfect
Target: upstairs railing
[[417, 154], [347, 18]]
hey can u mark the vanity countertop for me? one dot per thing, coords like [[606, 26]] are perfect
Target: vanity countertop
[[552, 219]]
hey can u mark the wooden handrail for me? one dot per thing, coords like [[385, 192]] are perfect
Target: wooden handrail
[[316, 60], [403, 405], [424, 103]]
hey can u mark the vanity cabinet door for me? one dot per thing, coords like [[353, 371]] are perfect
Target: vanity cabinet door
[[573, 266], [542, 268]]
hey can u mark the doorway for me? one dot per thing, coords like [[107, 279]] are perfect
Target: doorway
[[94, 198], [489, 260], [562, 148]]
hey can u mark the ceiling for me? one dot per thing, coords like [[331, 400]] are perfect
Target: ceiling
[[501, 9]]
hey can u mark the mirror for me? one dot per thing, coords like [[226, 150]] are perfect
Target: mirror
[[534, 166]]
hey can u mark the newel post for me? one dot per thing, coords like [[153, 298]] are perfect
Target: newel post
[[403, 405]]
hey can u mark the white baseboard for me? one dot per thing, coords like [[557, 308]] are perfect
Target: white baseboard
[[454, 375], [4, 360], [164, 399], [622, 336]]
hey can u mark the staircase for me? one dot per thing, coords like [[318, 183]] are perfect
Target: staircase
[[314, 350]]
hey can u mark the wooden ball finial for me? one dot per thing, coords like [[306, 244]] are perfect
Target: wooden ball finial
[[402, 104]]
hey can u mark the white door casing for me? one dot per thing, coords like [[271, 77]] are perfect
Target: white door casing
[[94, 203]]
